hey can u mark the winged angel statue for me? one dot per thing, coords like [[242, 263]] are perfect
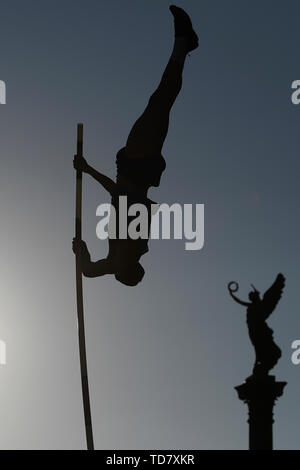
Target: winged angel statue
[[261, 336]]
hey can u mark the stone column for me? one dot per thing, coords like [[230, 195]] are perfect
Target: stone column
[[260, 394]]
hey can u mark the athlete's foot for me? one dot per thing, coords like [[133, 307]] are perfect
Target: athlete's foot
[[184, 27]]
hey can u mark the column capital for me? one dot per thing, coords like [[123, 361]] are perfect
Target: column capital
[[260, 389]]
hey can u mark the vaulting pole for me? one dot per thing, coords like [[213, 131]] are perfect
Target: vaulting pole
[[80, 312]]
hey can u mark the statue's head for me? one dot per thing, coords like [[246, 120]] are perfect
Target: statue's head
[[254, 295], [130, 275]]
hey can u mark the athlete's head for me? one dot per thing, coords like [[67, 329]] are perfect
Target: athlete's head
[[131, 274]]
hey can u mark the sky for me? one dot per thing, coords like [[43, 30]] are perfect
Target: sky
[[163, 357]]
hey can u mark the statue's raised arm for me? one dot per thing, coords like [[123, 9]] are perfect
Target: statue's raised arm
[[234, 287]]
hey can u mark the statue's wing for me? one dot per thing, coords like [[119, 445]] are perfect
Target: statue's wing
[[272, 295]]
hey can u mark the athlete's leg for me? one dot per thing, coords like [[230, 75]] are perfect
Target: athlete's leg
[[149, 132]]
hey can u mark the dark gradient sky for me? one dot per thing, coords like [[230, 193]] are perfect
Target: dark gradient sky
[[163, 357]]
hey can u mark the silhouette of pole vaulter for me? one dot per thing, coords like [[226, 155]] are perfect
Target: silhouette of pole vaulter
[[140, 163], [261, 336]]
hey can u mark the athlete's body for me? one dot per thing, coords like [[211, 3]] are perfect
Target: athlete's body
[[140, 163]]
